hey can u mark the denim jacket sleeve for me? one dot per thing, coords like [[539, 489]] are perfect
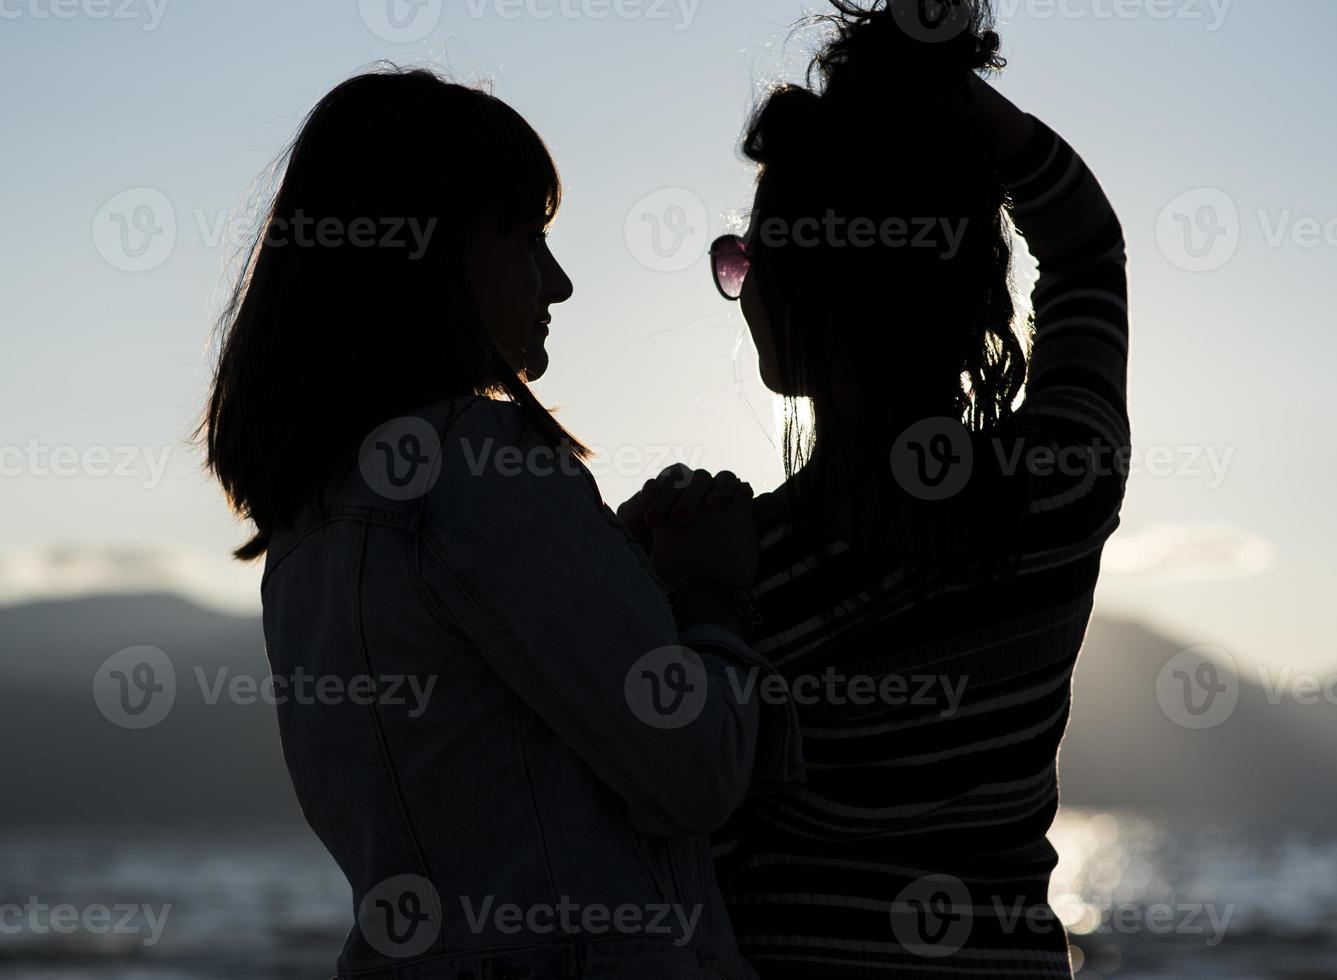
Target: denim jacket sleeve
[[526, 560]]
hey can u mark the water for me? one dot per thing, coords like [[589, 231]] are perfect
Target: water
[[1142, 899], [203, 907], [1148, 900]]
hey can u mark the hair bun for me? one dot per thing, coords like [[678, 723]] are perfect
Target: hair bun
[[876, 50], [893, 41]]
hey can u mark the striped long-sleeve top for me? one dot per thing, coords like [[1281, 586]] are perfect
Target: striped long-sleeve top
[[931, 726]]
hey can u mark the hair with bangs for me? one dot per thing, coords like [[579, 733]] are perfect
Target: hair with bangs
[[328, 334]]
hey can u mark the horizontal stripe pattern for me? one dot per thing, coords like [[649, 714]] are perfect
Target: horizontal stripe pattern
[[917, 846]]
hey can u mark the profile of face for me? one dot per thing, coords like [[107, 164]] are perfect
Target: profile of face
[[759, 321], [515, 281]]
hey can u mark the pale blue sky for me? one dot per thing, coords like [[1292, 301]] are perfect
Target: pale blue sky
[[193, 99]]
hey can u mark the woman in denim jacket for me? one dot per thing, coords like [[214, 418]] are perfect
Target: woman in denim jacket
[[511, 741]]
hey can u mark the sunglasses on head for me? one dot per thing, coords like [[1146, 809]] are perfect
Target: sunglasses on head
[[729, 263]]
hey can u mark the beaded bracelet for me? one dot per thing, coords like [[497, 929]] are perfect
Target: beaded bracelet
[[735, 597]]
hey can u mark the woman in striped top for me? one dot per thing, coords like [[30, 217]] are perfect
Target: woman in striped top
[[927, 570]]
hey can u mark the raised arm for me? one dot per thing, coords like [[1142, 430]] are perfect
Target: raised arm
[[1076, 392]]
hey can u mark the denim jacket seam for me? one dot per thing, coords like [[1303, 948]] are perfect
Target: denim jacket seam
[[499, 625], [784, 764], [408, 518], [404, 825], [442, 617], [292, 546], [344, 513], [533, 799]]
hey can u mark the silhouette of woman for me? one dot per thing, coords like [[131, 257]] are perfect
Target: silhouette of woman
[[540, 805], [927, 569]]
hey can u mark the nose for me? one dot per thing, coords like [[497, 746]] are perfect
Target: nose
[[557, 285]]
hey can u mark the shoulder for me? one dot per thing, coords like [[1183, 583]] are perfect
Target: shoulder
[[459, 448], [478, 436], [492, 457], [471, 416]]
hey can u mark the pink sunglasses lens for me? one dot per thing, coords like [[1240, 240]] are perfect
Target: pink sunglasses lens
[[731, 265]]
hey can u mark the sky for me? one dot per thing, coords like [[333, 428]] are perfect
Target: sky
[[136, 132]]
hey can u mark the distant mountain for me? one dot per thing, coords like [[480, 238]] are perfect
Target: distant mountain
[[220, 764], [67, 764], [1262, 763]]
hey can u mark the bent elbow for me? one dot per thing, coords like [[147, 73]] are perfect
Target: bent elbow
[[693, 811], [707, 793]]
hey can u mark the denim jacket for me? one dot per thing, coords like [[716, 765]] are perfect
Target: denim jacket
[[493, 723]]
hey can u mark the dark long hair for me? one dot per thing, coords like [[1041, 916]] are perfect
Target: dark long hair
[[328, 334], [919, 330]]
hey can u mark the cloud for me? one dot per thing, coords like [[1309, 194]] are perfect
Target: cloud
[[1185, 553], [66, 571], [1164, 553]]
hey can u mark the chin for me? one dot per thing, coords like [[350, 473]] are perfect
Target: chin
[[536, 365], [770, 377]]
